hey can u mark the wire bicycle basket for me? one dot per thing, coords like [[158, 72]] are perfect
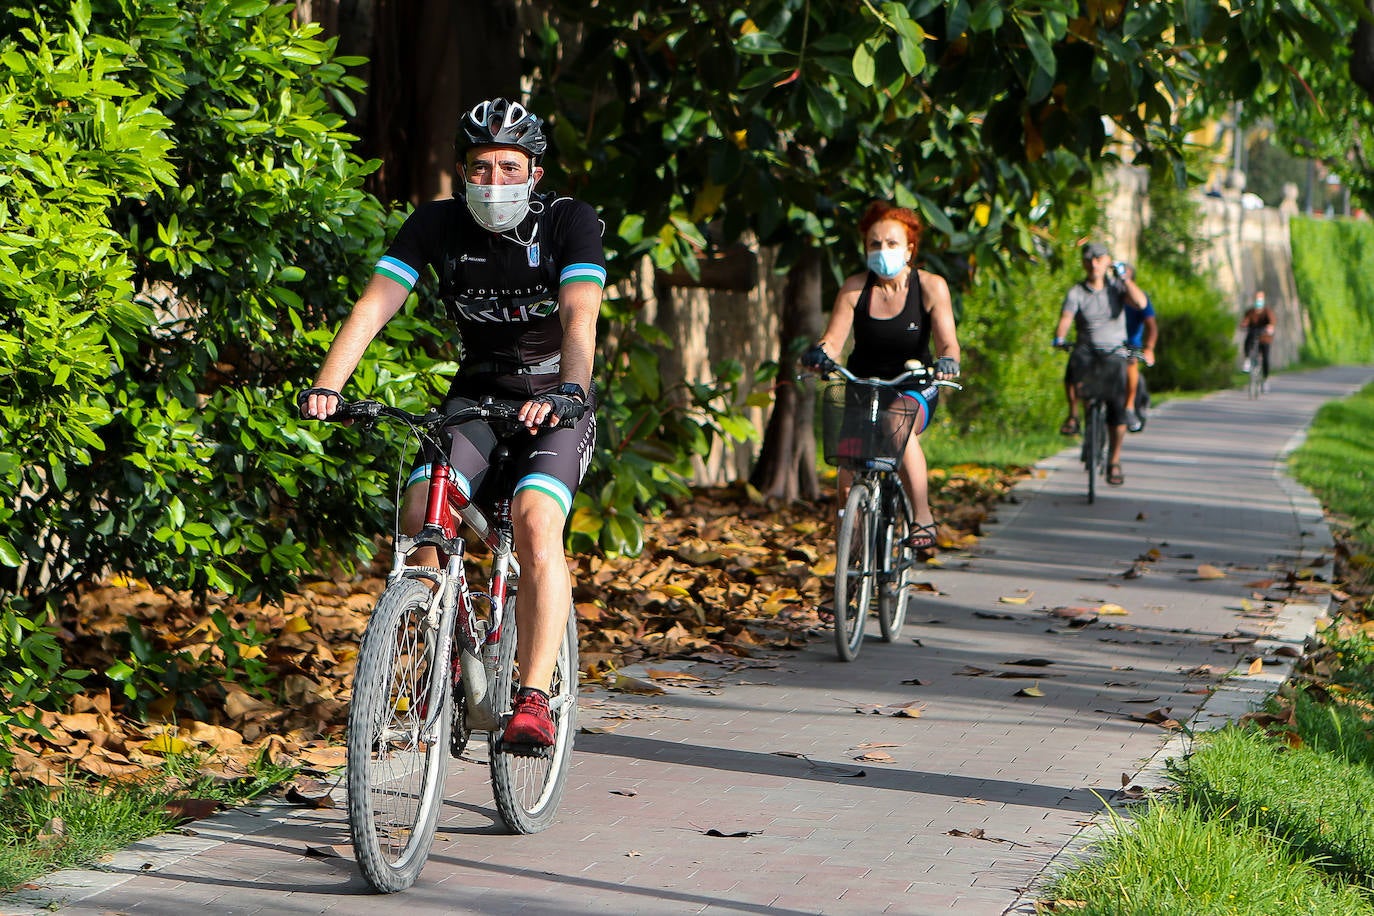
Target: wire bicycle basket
[[863, 424], [1103, 379]]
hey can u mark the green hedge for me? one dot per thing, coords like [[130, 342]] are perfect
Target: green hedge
[[1195, 350], [1333, 266]]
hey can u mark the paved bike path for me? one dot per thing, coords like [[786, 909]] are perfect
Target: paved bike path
[[744, 795]]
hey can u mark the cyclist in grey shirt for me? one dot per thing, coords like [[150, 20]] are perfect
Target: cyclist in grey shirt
[[1096, 307]]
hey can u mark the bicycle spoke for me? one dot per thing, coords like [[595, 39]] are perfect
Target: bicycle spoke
[[397, 746], [528, 786]]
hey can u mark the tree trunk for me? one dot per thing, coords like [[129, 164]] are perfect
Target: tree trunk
[[786, 468], [1362, 54], [429, 61]]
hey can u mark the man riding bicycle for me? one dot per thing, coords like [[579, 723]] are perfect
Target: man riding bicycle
[[1096, 308], [520, 274]]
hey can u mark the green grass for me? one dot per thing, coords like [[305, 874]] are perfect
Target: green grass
[[1312, 801], [1171, 861], [45, 829], [1003, 451], [1336, 462]]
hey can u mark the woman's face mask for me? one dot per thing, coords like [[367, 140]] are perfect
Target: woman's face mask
[[498, 207], [887, 262]]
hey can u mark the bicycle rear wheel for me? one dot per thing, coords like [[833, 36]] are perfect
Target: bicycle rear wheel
[[397, 747], [1095, 445], [1256, 374], [898, 559], [529, 788], [853, 572]]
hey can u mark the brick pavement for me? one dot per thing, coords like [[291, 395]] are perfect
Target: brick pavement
[[985, 789]]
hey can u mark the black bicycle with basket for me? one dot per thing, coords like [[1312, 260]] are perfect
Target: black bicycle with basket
[[867, 424], [1101, 382]]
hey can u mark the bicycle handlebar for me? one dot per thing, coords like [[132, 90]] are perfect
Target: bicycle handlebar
[[916, 373], [488, 409], [1121, 350]]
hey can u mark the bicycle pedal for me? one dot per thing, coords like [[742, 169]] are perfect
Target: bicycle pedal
[[517, 749]]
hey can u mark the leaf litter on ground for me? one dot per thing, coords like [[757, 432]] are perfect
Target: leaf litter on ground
[[723, 580]]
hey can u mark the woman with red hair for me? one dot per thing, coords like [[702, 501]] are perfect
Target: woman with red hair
[[895, 311]]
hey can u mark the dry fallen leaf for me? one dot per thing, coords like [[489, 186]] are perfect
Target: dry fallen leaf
[[1112, 610], [1208, 571], [1016, 599], [626, 684], [1031, 691], [876, 757], [1256, 667]]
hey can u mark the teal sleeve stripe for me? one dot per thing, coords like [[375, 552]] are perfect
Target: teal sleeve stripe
[[399, 271], [583, 273], [549, 486]]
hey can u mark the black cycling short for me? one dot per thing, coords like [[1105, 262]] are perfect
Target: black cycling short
[[551, 461]]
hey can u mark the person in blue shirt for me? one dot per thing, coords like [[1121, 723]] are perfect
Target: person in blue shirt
[[1142, 333]]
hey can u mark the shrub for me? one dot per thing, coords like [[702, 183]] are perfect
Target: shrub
[[1195, 351]]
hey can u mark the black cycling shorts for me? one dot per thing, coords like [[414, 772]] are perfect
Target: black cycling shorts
[[551, 461]]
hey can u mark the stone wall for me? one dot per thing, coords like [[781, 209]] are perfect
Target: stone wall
[[709, 325], [1245, 249]]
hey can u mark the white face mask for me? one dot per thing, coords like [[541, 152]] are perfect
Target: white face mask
[[887, 262], [498, 207]]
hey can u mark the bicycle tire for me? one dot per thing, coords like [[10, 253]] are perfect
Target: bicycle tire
[[899, 559], [853, 572], [528, 788], [1093, 445], [396, 772], [1256, 374]]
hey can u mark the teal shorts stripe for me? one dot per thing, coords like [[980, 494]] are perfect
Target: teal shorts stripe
[[550, 486], [423, 472]]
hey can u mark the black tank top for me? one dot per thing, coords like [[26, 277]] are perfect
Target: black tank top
[[883, 345]]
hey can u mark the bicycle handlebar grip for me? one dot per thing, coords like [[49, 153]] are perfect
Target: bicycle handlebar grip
[[356, 410]]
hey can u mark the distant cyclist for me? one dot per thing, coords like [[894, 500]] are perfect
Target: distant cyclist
[[520, 275], [896, 312], [1258, 325], [1096, 308]]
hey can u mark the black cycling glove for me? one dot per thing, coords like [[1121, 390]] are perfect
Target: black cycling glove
[[947, 366], [562, 407], [305, 395], [816, 358]]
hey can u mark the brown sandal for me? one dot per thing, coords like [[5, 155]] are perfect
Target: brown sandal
[[1114, 475], [1070, 427]]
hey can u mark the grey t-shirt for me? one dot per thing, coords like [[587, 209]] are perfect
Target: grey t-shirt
[[1099, 316]]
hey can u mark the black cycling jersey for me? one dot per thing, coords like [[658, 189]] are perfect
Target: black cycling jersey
[[501, 291]]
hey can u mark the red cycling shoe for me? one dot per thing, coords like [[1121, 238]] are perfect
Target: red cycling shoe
[[530, 724]]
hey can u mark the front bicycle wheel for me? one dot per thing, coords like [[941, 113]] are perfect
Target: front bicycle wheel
[[397, 745], [853, 572], [1256, 375], [528, 788], [1095, 445], [899, 560]]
